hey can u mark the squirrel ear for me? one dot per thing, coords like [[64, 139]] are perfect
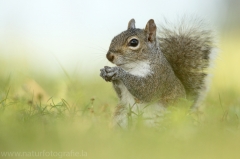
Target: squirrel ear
[[151, 30], [131, 24]]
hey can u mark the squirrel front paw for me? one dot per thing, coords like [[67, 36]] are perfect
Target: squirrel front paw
[[110, 73]]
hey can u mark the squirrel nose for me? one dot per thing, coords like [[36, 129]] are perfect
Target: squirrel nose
[[110, 56]]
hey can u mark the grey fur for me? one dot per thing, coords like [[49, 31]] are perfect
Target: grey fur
[[177, 59]]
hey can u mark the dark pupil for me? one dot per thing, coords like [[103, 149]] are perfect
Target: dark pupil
[[133, 42]]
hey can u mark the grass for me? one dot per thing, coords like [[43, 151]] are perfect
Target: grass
[[58, 117]]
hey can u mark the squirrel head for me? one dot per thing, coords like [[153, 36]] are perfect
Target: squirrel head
[[133, 44]]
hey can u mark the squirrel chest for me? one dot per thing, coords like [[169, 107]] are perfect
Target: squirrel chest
[[141, 69]]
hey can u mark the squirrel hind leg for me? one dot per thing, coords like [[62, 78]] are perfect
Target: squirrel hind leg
[[119, 117]]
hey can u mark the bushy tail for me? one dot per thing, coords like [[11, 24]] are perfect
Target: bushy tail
[[188, 49]]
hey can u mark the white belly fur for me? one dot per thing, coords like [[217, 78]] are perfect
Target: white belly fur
[[141, 69]]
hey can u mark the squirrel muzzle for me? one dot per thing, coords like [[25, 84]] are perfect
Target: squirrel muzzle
[[110, 56]]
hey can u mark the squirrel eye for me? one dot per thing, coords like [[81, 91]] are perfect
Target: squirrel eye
[[133, 43]]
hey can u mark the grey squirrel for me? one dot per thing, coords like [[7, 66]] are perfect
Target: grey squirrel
[[153, 72]]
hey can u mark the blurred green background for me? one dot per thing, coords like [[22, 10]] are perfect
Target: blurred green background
[[53, 104]]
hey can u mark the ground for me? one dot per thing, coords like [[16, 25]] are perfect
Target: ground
[[69, 116]]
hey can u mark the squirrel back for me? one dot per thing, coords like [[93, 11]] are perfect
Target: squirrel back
[[189, 49]]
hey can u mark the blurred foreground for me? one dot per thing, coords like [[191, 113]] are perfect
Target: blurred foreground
[[65, 116]]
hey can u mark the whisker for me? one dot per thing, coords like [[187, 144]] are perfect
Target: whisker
[[100, 47], [97, 59], [95, 54]]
